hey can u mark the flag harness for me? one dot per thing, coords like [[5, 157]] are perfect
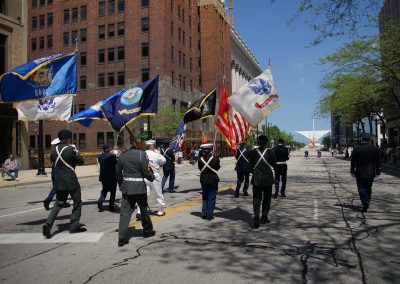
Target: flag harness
[[62, 160], [242, 155], [164, 153], [262, 158], [206, 165]]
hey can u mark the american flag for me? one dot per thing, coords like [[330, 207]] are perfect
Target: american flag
[[241, 128]]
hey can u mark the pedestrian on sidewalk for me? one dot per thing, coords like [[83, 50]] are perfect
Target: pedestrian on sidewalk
[[208, 166], [242, 169], [365, 166], [282, 155], [169, 170], [65, 157], [132, 170], [107, 177], [10, 168], [261, 161]]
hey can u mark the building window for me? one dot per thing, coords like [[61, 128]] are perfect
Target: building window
[[81, 107], [180, 57], [190, 22], [41, 21], [110, 54], [101, 32], [145, 3], [190, 43], [41, 43], [34, 3], [179, 12], [191, 84], [110, 79], [145, 74], [47, 141], [83, 13], [101, 56], [111, 7], [183, 60], [49, 2], [66, 39], [179, 34], [50, 20], [82, 82], [33, 43], [34, 23], [145, 24], [110, 137], [66, 16], [172, 77], [42, 2], [83, 35], [183, 15], [191, 64], [111, 30], [82, 140], [49, 42], [121, 5], [121, 53], [100, 80], [145, 49], [174, 104], [180, 81], [183, 38], [100, 139], [172, 29], [121, 28], [75, 14], [121, 78], [74, 36], [32, 142], [82, 58], [102, 9]]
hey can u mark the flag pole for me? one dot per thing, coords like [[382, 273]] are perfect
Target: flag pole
[[73, 98]]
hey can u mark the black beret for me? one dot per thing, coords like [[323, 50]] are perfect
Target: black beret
[[64, 134], [262, 140]]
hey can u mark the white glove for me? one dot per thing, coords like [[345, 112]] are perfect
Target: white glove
[[377, 178]]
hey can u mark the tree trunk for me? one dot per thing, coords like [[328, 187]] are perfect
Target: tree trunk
[[362, 127]]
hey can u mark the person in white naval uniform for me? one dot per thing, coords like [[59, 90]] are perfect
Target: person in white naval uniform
[[155, 161]]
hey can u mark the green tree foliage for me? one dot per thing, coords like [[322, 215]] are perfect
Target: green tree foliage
[[326, 141], [165, 122]]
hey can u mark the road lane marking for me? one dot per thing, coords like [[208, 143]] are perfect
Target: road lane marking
[[179, 207], [38, 238], [315, 216], [21, 212]]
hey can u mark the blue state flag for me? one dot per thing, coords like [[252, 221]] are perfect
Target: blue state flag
[[132, 103], [177, 141], [41, 78]]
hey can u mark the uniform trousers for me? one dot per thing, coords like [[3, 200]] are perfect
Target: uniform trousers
[[242, 176], [364, 186], [280, 176], [108, 187], [61, 198], [155, 186], [127, 207], [261, 197], [171, 175], [209, 195]]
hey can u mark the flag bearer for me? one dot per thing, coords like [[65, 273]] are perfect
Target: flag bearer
[[242, 169], [169, 169], [107, 177], [208, 166]]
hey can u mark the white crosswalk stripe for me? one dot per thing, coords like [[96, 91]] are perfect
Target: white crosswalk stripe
[[38, 238]]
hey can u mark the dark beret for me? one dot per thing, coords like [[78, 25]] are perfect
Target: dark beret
[[64, 134]]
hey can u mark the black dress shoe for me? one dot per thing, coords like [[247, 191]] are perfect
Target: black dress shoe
[[172, 191], [122, 242], [365, 208], [100, 206], [264, 220], [256, 223], [148, 234], [245, 194], [46, 231], [66, 205], [46, 204], [236, 196], [275, 196], [283, 195], [138, 217], [77, 230]]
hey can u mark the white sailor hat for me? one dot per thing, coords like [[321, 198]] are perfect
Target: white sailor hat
[[150, 142], [207, 145], [55, 141]]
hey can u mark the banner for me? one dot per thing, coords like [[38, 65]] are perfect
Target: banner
[[257, 99], [201, 108], [177, 141], [57, 108], [41, 78], [223, 122], [241, 128]]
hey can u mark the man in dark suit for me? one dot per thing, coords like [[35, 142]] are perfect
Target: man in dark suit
[[262, 161], [132, 168], [107, 162], [242, 169], [65, 157], [169, 170], [365, 167], [282, 155], [208, 166]]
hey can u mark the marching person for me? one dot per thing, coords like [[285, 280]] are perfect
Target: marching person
[[281, 155], [365, 166], [261, 162], [242, 169], [208, 165], [65, 157], [169, 170], [132, 171], [155, 161], [107, 177]]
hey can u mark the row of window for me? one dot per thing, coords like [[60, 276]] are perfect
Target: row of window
[[111, 7], [182, 81], [113, 79], [111, 30], [74, 14], [41, 3], [35, 20], [74, 36], [39, 43]]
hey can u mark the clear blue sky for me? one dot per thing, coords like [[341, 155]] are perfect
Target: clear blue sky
[[294, 65]]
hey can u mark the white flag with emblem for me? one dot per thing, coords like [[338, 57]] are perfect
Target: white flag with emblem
[[55, 108], [257, 99]]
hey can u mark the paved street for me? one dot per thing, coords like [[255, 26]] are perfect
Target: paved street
[[317, 234]]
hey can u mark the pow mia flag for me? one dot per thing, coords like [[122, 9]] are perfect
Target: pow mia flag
[[201, 108]]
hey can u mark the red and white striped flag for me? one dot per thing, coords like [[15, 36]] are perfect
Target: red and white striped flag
[[241, 128]]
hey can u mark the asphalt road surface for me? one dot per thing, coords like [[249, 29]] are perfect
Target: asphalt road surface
[[317, 234]]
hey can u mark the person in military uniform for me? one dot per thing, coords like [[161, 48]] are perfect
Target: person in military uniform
[[169, 170], [208, 166], [365, 166], [107, 162], [242, 169], [261, 162], [132, 170], [282, 155], [65, 157]]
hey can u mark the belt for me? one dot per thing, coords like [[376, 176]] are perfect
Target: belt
[[133, 179], [281, 163]]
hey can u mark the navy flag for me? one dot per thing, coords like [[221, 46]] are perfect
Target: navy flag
[[132, 103], [41, 78], [201, 108], [177, 141]]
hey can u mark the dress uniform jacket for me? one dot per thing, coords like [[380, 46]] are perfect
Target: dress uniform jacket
[[242, 165], [65, 178], [262, 174], [365, 161], [281, 153], [208, 176], [133, 164], [107, 163], [169, 165]]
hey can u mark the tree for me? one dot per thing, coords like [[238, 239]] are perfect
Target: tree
[[166, 121]]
